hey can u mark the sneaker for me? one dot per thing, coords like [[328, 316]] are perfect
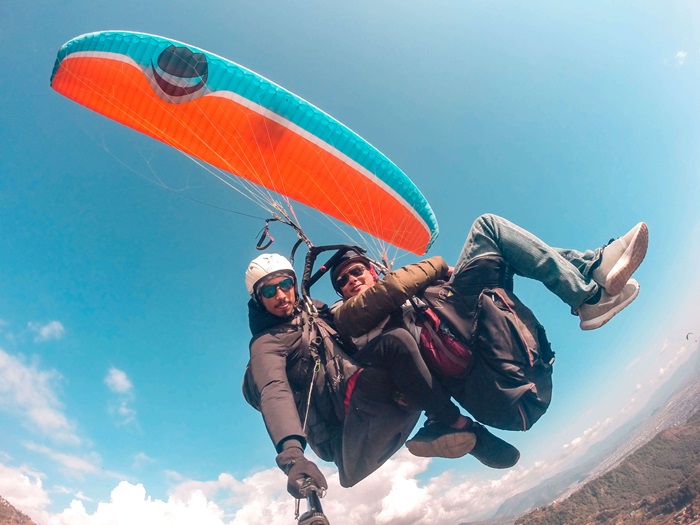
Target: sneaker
[[438, 440], [492, 451], [596, 315], [621, 258]]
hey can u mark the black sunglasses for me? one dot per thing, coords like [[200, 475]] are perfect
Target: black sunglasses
[[355, 271], [270, 290]]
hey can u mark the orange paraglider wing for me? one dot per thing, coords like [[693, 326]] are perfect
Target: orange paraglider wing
[[232, 118]]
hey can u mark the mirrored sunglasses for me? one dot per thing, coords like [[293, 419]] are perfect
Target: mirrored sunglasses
[[355, 271], [270, 290]]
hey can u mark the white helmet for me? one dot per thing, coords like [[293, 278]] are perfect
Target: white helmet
[[264, 265]]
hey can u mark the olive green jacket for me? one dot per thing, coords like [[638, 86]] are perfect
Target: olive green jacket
[[361, 314]]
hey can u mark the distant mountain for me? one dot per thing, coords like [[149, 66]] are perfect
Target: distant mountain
[[659, 484], [675, 402], [672, 404], [11, 516]]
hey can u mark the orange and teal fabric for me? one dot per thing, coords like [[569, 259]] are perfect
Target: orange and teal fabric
[[234, 119]]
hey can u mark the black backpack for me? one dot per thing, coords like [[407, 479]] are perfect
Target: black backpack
[[509, 382]]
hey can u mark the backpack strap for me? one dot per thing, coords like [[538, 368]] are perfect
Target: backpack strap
[[310, 342], [525, 334], [437, 343], [324, 346]]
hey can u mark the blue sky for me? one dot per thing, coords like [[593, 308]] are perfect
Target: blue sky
[[123, 329]]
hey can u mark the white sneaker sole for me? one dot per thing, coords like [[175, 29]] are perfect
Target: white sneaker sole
[[597, 322], [630, 260], [448, 446]]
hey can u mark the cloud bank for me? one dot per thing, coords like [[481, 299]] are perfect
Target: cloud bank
[[392, 496]]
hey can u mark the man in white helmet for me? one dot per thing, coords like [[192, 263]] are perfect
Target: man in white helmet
[[271, 280]]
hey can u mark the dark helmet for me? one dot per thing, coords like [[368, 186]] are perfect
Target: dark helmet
[[348, 258]]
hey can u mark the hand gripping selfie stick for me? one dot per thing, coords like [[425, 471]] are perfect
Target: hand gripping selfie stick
[[314, 515]]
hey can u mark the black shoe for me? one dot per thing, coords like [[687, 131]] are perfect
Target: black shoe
[[492, 451], [437, 440]]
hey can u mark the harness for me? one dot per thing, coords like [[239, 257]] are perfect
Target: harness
[[324, 346]]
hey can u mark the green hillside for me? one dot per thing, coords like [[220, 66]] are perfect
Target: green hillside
[[658, 484]]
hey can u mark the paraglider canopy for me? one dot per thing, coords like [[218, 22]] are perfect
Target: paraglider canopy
[[235, 120]]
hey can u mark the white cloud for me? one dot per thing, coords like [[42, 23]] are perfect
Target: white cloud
[[28, 392], [680, 57], [130, 504], [633, 363], [71, 464], [391, 496], [452, 497], [119, 383], [53, 330], [23, 488], [82, 497], [141, 459], [224, 483]]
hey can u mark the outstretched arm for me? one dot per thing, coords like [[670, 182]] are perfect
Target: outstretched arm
[[360, 314], [276, 400], [273, 396]]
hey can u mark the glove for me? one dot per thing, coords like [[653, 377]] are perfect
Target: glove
[[298, 468]]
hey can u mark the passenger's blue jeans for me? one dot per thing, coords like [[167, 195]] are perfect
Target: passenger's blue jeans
[[565, 272]]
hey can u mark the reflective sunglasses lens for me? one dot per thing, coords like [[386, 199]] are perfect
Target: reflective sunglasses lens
[[286, 285], [355, 271], [268, 291]]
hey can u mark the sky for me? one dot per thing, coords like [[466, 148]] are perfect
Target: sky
[[123, 325]]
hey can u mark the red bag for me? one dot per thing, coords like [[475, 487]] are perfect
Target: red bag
[[443, 354]]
